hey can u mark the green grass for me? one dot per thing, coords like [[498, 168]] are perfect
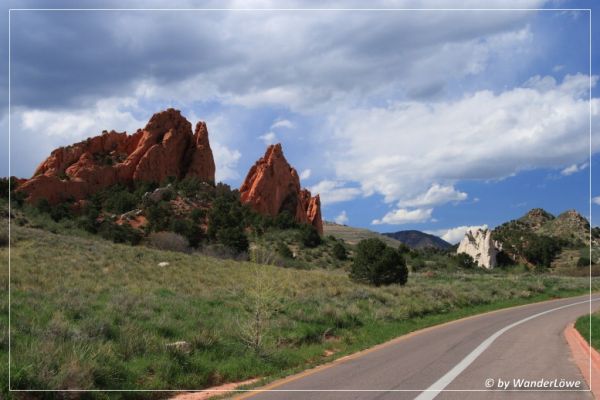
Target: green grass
[[87, 313], [583, 326]]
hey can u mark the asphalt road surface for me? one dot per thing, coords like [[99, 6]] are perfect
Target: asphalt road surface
[[457, 360]]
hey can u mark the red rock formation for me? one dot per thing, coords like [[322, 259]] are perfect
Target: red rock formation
[[165, 148], [272, 186]]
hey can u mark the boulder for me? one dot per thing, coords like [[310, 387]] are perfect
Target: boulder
[[479, 245], [165, 148], [272, 186]]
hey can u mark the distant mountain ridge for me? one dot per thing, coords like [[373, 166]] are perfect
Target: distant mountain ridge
[[352, 235], [419, 240]]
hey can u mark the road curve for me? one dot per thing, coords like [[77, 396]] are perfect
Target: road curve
[[455, 360]]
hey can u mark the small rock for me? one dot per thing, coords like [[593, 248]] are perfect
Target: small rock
[[181, 346], [163, 264]]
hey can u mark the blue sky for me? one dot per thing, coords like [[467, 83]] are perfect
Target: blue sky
[[428, 120]]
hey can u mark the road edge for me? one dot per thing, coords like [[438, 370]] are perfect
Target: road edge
[[581, 351], [293, 377]]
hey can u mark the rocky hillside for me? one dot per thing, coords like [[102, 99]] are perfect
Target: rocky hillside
[[538, 237], [419, 240]]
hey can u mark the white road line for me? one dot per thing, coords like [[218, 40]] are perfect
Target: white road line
[[432, 391]]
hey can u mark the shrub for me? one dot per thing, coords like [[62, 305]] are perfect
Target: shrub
[[159, 216], [503, 259], [189, 229], [378, 264], [339, 252], [168, 241], [463, 260], [583, 262], [285, 220], [189, 186], [60, 211], [121, 201], [542, 250], [309, 236], [43, 206], [119, 233], [233, 238], [198, 214], [3, 239], [284, 251]]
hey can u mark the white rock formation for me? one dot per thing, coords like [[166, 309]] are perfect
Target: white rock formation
[[478, 244]]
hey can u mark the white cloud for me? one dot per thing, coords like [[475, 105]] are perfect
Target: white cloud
[[342, 218], [334, 192], [305, 174], [107, 114], [482, 136], [573, 168], [268, 138], [282, 123], [455, 235], [596, 200], [226, 161], [436, 195], [405, 216]]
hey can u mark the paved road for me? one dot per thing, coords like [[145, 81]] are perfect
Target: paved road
[[523, 342]]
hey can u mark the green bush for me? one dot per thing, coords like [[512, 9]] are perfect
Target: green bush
[[121, 201], [159, 216], [285, 220], [233, 238], [463, 260], [583, 262], [284, 251], [542, 250], [3, 239], [189, 229], [378, 264], [339, 251], [119, 233], [309, 236]]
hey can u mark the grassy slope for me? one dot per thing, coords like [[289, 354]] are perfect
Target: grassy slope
[[90, 314], [583, 326], [353, 235]]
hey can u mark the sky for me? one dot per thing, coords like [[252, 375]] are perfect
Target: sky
[[427, 119]]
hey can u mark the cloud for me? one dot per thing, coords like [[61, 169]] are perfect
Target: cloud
[[435, 195], [342, 218], [334, 192], [230, 57], [282, 123], [481, 136], [305, 174], [404, 216], [226, 161], [596, 200], [455, 235], [268, 138], [573, 168]]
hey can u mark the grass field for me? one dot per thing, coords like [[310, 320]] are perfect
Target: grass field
[[583, 326], [87, 313]]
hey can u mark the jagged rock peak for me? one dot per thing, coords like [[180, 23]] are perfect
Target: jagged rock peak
[[272, 187], [165, 148]]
